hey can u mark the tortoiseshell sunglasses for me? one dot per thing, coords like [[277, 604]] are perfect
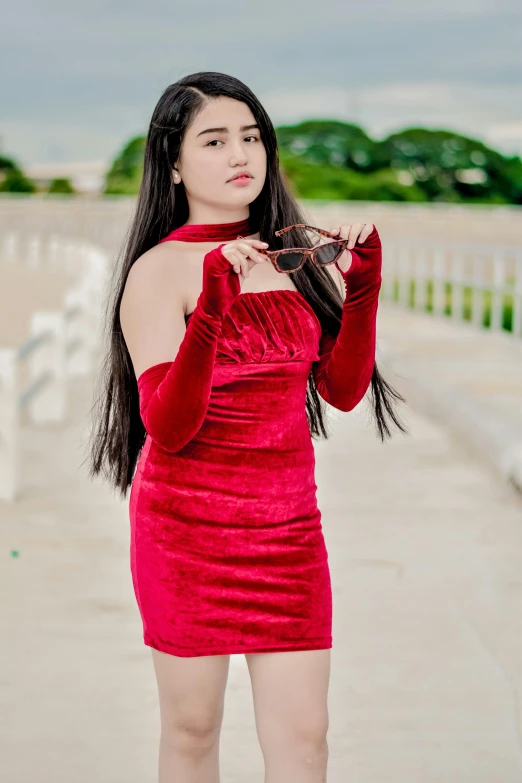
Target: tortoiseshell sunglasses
[[290, 259]]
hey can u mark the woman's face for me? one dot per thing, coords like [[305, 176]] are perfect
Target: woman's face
[[209, 159]]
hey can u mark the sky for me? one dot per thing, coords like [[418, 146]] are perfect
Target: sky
[[80, 79]]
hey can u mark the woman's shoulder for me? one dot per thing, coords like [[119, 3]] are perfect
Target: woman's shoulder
[[158, 273], [164, 258]]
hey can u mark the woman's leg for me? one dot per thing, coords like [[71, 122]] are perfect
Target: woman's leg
[[191, 697], [290, 691]]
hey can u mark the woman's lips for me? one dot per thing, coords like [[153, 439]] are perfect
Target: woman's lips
[[240, 180]]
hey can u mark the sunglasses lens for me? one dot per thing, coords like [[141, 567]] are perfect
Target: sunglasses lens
[[327, 253], [289, 262]]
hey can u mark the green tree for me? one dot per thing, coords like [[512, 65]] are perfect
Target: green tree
[[7, 164], [451, 167], [124, 176], [61, 185], [15, 181], [338, 144], [440, 164], [316, 181]]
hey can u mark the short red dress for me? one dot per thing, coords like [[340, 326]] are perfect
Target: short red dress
[[227, 547]]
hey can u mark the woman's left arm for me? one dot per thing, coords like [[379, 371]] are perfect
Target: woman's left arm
[[344, 369]]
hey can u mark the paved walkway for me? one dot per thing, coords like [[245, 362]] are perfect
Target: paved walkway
[[425, 546]]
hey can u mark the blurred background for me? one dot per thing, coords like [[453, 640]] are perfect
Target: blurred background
[[407, 115]]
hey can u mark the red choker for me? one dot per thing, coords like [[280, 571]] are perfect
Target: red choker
[[211, 232]]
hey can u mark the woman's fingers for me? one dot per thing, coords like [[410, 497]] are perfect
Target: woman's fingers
[[365, 233], [250, 255], [236, 259], [242, 253], [354, 232], [251, 248], [244, 258], [251, 252]]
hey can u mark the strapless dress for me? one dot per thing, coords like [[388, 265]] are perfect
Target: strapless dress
[[227, 547]]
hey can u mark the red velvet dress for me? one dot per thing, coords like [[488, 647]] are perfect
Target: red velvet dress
[[227, 547]]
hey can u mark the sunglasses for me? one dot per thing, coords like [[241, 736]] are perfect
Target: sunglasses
[[290, 259]]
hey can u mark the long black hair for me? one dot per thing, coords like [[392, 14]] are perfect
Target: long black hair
[[118, 434]]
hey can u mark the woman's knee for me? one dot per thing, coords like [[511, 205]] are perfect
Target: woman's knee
[[191, 731], [191, 695], [302, 735], [309, 730], [306, 746]]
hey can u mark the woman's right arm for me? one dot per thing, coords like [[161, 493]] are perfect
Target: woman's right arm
[[173, 364]]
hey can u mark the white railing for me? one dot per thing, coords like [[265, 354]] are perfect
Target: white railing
[[62, 344], [478, 283]]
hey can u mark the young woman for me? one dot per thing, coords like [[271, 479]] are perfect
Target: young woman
[[220, 352]]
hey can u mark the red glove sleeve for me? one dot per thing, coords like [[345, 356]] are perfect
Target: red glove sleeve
[[174, 395], [344, 369]]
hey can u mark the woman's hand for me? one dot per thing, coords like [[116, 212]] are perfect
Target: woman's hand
[[355, 232], [221, 273], [243, 254]]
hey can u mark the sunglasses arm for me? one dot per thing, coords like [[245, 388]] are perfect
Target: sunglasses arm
[[303, 225]]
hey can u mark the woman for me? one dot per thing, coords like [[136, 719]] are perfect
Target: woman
[[217, 363]]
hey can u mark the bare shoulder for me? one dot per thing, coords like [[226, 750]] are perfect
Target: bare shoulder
[[152, 307], [155, 275], [160, 263]]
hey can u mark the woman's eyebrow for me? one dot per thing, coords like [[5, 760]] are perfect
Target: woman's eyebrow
[[225, 130]]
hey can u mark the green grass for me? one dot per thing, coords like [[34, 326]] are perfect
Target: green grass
[[507, 303]]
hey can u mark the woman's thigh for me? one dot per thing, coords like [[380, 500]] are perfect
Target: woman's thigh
[[191, 691], [290, 692]]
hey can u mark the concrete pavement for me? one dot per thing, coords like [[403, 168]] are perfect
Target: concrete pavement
[[425, 548]]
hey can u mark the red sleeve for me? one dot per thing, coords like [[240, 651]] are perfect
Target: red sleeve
[[174, 395], [343, 372]]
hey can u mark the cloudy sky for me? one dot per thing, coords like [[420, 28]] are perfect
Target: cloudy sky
[[79, 79]]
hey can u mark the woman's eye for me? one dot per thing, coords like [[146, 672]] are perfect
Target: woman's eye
[[248, 137]]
